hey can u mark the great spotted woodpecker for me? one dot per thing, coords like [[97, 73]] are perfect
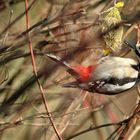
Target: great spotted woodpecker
[[111, 75]]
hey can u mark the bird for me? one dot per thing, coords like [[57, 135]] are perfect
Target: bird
[[111, 75], [135, 48]]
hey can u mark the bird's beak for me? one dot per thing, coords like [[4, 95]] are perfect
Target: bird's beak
[[129, 44], [134, 47]]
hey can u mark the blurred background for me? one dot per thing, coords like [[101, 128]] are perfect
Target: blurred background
[[71, 29]]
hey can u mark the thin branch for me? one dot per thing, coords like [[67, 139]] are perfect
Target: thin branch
[[47, 21], [42, 92], [138, 34], [124, 123], [137, 129], [131, 122], [94, 128], [16, 19], [114, 133]]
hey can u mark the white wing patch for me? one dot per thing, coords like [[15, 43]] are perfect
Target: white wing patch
[[115, 88]]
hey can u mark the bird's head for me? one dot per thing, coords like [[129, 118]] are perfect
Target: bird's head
[[135, 47]]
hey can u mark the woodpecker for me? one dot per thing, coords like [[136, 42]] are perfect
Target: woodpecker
[[111, 75]]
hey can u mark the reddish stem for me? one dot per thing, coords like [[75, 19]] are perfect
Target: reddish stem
[[138, 34], [35, 73]]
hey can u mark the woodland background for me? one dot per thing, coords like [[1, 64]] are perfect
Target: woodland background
[[71, 30]]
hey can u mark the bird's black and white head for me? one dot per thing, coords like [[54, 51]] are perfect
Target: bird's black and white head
[[135, 47]]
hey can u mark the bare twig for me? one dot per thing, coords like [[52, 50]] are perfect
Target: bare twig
[[138, 34], [94, 128], [17, 18], [36, 74]]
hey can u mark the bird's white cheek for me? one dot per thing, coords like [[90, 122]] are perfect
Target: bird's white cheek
[[116, 88]]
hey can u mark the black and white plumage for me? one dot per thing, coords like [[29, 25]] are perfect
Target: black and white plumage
[[114, 75], [111, 75]]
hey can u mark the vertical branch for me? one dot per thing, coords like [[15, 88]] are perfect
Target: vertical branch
[[131, 123], [138, 34], [36, 74]]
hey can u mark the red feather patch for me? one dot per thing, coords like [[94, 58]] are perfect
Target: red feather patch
[[84, 72]]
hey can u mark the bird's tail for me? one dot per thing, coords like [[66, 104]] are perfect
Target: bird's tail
[[70, 69], [59, 60], [81, 73]]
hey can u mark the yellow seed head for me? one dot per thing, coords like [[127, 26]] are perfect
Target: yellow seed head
[[119, 4]]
